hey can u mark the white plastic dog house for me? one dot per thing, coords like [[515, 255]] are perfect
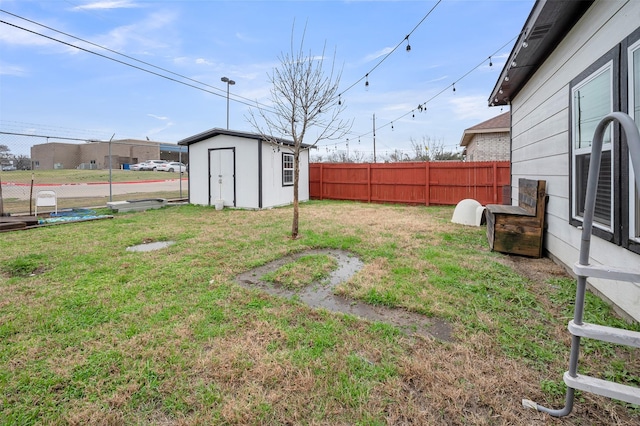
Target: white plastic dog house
[[468, 212]]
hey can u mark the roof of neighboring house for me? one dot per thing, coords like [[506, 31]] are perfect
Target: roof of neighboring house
[[500, 123], [207, 134], [547, 24]]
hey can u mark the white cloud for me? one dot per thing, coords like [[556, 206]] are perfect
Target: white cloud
[[378, 54], [471, 107], [145, 35], [435, 80], [391, 108], [202, 61], [157, 117], [245, 38], [157, 130], [113, 4], [15, 36], [15, 70]]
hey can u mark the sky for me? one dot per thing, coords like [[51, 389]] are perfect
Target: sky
[[52, 88]]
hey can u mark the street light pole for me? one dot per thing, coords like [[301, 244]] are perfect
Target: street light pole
[[229, 83]]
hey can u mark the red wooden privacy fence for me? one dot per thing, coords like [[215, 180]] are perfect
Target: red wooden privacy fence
[[444, 183]]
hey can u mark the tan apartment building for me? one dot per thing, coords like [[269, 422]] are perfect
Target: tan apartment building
[[96, 155]]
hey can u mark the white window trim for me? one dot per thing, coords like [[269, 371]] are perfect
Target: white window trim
[[632, 195], [581, 151], [286, 183]]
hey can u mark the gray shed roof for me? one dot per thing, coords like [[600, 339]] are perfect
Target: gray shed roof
[[207, 134], [547, 24]]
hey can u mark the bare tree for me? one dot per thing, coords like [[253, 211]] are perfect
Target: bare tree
[[431, 149], [304, 98], [23, 162], [398, 156], [317, 158], [420, 150], [358, 157], [338, 157]]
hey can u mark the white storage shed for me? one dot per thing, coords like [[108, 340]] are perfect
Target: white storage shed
[[243, 170]]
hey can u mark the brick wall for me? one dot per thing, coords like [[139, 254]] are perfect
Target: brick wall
[[489, 147], [55, 155]]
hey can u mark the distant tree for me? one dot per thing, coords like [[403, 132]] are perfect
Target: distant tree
[[303, 98], [359, 157], [448, 156], [4, 151], [432, 150], [420, 150], [338, 157], [22, 162], [397, 156], [316, 158]]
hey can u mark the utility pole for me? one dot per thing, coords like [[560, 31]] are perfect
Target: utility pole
[[229, 83], [374, 137]]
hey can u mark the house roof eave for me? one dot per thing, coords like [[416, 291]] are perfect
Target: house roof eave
[[468, 134], [547, 24], [466, 138], [501, 123]]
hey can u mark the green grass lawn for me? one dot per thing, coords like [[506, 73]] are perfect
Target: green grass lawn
[[93, 334], [83, 176]]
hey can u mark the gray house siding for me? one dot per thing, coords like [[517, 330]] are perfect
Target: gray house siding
[[541, 139]]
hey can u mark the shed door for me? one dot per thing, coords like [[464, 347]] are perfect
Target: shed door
[[222, 180]]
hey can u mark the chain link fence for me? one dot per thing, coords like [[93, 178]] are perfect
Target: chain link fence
[[85, 173]]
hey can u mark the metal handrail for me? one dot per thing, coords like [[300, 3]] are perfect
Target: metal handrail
[[633, 141]]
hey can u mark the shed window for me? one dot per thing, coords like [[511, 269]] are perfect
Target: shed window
[[287, 169], [591, 100]]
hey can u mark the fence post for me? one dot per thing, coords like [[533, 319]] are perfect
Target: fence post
[[495, 182], [321, 171], [427, 189], [369, 182]]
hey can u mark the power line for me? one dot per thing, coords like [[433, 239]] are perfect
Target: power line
[[18, 126], [423, 105], [48, 137], [223, 94], [253, 103], [366, 76]]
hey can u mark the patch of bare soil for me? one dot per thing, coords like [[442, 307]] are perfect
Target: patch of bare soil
[[320, 295], [536, 270]]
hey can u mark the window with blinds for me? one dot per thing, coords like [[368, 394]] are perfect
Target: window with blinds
[[602, 211], [591, 100]]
